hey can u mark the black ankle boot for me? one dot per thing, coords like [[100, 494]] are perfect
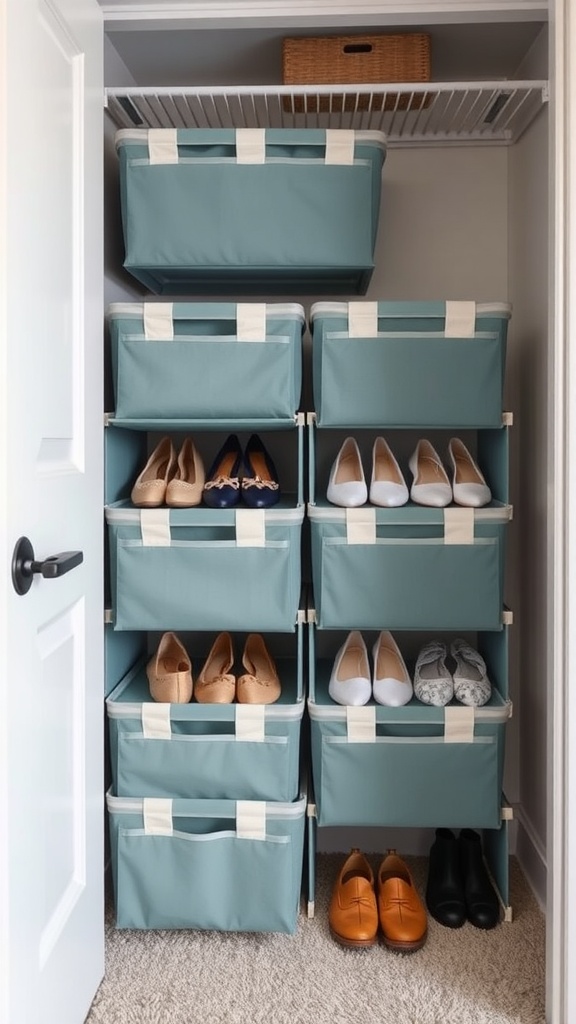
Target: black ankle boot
[[482, 906], [445, 890]]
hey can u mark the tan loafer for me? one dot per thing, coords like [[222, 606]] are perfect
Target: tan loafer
[[216, 684], [149, 490], [353, 912], [260, 684], [169, 672], [185, 488], [403, 918]]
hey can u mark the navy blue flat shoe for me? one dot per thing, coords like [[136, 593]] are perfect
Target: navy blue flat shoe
[[260, 485], [222, 486]]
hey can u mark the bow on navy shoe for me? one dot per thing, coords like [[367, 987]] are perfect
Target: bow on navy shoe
[[260, 485], [222, 487]]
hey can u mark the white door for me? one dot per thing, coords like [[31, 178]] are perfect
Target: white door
[[51, 651]]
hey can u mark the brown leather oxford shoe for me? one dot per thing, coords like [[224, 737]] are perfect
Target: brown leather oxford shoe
[[353, 914], [403, 919]]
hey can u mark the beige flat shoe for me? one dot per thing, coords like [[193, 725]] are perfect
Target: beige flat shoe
[[216, 684], [185, 488], [260, 684], [149, 490], [169, 672]]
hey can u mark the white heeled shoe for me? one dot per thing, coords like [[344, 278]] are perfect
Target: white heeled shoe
[[468, 484], [391, 685], [387, 485], [471, 684], [347, 485], [433, 683], [350, 678], [431, 485]]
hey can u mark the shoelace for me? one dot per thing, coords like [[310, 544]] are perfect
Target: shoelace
[[257, 481], [223, 481]]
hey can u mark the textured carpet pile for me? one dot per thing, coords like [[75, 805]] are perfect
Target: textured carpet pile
[[459, 977]]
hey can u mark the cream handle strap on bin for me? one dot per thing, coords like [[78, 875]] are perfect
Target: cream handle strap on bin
[[251, 145], [250, 723], [340, 146], [157, 814], [250, 527], [155, 527], [361, 724], [460, 320], [458, 725], [163, 145], [458, 525], [156, 721], [251, 819], [251, 321], [362, 319], [361, 525], [159, 321]]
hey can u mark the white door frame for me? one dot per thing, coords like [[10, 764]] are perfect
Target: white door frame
[[561, 492]]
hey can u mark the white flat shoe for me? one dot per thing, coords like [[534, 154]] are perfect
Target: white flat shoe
[[430, 485], [433, 683], [468, 484], [350, 681], [471, 684], [391, 685], [347, 485], [387, 485]]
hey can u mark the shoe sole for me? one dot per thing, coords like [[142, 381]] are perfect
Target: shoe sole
[[354, 943], [404, 947]]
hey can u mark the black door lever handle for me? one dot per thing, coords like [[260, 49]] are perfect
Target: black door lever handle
[[25, 566]]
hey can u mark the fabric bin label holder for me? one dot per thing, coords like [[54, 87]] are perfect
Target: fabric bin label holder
[[204, 751], [230, 865], [451, 760], [410, 568], [203, 569], [215, 361], [297, 207], [435, 364]]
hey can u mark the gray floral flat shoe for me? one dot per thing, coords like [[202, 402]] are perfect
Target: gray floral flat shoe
[[471, 684], [433, 683]]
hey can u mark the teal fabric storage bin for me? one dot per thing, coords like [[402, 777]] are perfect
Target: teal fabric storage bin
[[415, 765], [409, 364], [204, 569], [287, 211], [206, 751], [206, 361], [228, 865], [409, 567]]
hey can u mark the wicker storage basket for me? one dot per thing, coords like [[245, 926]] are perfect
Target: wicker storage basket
[[356, 60]]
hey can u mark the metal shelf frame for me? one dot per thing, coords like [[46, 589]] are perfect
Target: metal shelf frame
[[430, 114]]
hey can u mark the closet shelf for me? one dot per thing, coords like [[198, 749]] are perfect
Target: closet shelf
[[479, 113]]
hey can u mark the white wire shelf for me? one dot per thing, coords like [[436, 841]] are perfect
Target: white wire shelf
[[448, 113]]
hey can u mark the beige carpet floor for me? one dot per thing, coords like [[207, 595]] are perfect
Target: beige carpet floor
[[459, 977]]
